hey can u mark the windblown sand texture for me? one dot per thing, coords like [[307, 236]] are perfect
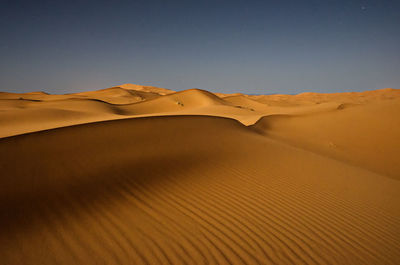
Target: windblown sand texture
[[146, 175]]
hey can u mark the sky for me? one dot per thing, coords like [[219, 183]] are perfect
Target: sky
[[254, 47]]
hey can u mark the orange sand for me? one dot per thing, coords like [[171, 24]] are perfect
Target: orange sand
[[144, 175]]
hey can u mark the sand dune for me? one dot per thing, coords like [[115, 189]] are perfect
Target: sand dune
[[316, 98], [118, 95], [152, 89], [363, 135], [141, 175], [47, 111]]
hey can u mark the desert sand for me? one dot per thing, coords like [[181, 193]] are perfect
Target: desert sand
[[145, 175]]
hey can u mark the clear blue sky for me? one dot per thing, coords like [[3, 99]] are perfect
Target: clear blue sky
[[257, 47]]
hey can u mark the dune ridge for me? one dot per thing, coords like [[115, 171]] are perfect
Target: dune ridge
[[131, 100], [190, 177]]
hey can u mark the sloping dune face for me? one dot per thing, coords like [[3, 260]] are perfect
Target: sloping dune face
[[30, 112], [188, 190], [144, 175], [363, 135]]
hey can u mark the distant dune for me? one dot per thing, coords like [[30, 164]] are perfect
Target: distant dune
[[144, 175]]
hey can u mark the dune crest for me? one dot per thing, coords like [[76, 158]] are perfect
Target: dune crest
[[125, 101], [151, 89]]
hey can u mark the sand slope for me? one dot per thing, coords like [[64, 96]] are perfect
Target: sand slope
[[179, 190], [142, 175], [317, 98], [118, 95], [363, 135]]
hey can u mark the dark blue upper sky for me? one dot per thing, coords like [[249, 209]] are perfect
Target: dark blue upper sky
[[224, 46]]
